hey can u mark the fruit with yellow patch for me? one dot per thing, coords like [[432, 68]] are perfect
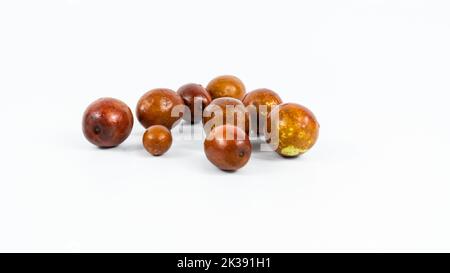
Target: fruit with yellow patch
[[292, 129]]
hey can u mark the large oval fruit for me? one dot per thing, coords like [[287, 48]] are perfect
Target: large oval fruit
[[293, 129], [226, 86], [155, 108], [107, 122], [228, 147]]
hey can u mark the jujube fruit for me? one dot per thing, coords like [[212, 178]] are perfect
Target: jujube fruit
[[263, 100], [157, 140], [107, 122], [155, 108], [226, 86], [226, 111], [295, 130], [196, 98], [228, 147]]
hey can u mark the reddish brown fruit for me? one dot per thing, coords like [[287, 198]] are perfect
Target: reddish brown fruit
[[196, 98], [157, 140], [228, 147], [263, 100], [295, 130], [155, 108], [226, 86], [107, 122], [226, 111]]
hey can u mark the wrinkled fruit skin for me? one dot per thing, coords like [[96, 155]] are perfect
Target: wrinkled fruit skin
[[107, 122], [237, 116], [258, 98], [228, 154], [297, 129], [157, 140], [190, 93], [226, 86], [155, 107]]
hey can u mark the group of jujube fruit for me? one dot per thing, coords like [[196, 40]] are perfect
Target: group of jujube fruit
[[292, 129]]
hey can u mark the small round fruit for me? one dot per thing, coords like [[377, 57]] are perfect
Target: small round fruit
[[155, 108], [226, 86], [157, 140], [225, 111], [196, 98], [263, 100], [107, 122], [294, 131], [228, 147]]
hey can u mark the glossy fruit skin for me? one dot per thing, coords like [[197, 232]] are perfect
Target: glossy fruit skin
[[261, 97], [228, 154], [190, 93], [237, 115], [226, 86], [157, 140], [297, 129], [107, 122], [155, 108]]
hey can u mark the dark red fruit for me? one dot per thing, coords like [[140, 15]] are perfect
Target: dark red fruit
[[228, 147], [107, 122], [196, 98]]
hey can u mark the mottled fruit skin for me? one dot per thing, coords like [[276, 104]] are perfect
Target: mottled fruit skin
[[257, 99], [226, 86], [155, 108], [294, 132], [190, 93], [228, 147], [107, 122], [157, 140], [236, 115]]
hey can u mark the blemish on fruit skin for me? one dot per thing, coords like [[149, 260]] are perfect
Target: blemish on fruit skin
[[291, 150]]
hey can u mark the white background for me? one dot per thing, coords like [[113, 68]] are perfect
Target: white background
[[375, 73]]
